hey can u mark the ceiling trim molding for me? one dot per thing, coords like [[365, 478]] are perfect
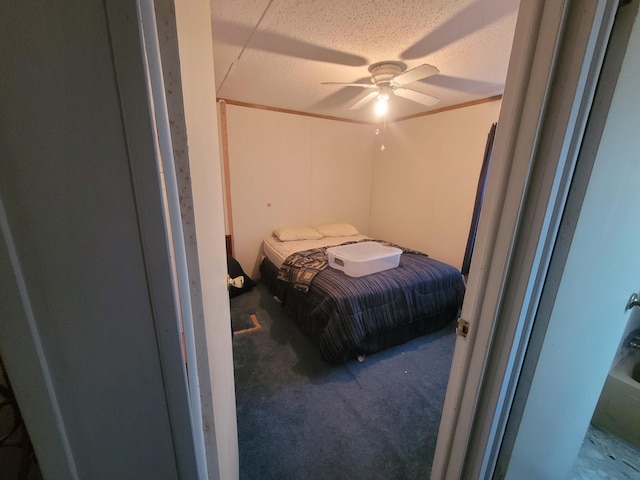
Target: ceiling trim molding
[[451, 107], [373, 124], [293, 112]]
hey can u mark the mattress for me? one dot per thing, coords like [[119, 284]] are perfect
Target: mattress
[[277, 251]]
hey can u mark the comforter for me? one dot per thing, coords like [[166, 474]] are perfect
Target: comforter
[[351, 316]]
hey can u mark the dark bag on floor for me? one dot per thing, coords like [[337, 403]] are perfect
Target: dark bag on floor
[[235, 270]]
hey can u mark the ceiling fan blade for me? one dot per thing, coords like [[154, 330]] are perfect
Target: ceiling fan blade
[[363, 85], [364, 100], [464, 84], [418, 73], [419, 97]]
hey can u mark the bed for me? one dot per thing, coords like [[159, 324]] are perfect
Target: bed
[[352, 317]]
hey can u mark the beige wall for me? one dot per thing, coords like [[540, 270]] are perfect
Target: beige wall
[[294, 170], [425, 181], [419, 192]]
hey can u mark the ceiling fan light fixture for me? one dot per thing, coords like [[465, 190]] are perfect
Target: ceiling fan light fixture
[[382, 104], [381, 107]]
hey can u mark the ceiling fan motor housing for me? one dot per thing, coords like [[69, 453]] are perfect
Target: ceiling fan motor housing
[[384, 72]]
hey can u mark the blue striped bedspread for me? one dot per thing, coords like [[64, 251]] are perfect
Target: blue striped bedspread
[[344, 313]]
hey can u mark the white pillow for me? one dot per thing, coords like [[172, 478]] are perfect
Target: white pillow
[[286, 234], [337, 229]]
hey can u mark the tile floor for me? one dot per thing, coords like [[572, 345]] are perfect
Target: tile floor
[[604, 456]]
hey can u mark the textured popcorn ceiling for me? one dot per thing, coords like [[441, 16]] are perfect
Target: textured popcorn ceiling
[[276, 53]]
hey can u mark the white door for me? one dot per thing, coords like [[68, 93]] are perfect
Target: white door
[[550, 85], [598, 270]]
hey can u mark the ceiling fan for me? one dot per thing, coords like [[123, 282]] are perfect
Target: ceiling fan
[[389, 78]]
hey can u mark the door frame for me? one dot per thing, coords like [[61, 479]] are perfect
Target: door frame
[[541, 124], [556, 58], [199, 180]]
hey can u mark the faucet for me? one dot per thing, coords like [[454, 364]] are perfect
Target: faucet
[[634, 339]]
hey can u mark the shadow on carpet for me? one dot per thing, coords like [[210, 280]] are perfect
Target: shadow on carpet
[[300, 417]]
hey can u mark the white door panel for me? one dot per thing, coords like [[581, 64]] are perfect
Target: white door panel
[[551, 81], [588, 316]]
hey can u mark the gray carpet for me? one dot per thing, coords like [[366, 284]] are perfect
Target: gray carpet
[[301, 418]]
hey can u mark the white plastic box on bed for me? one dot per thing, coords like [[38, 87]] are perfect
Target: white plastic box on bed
[[365, 258]]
